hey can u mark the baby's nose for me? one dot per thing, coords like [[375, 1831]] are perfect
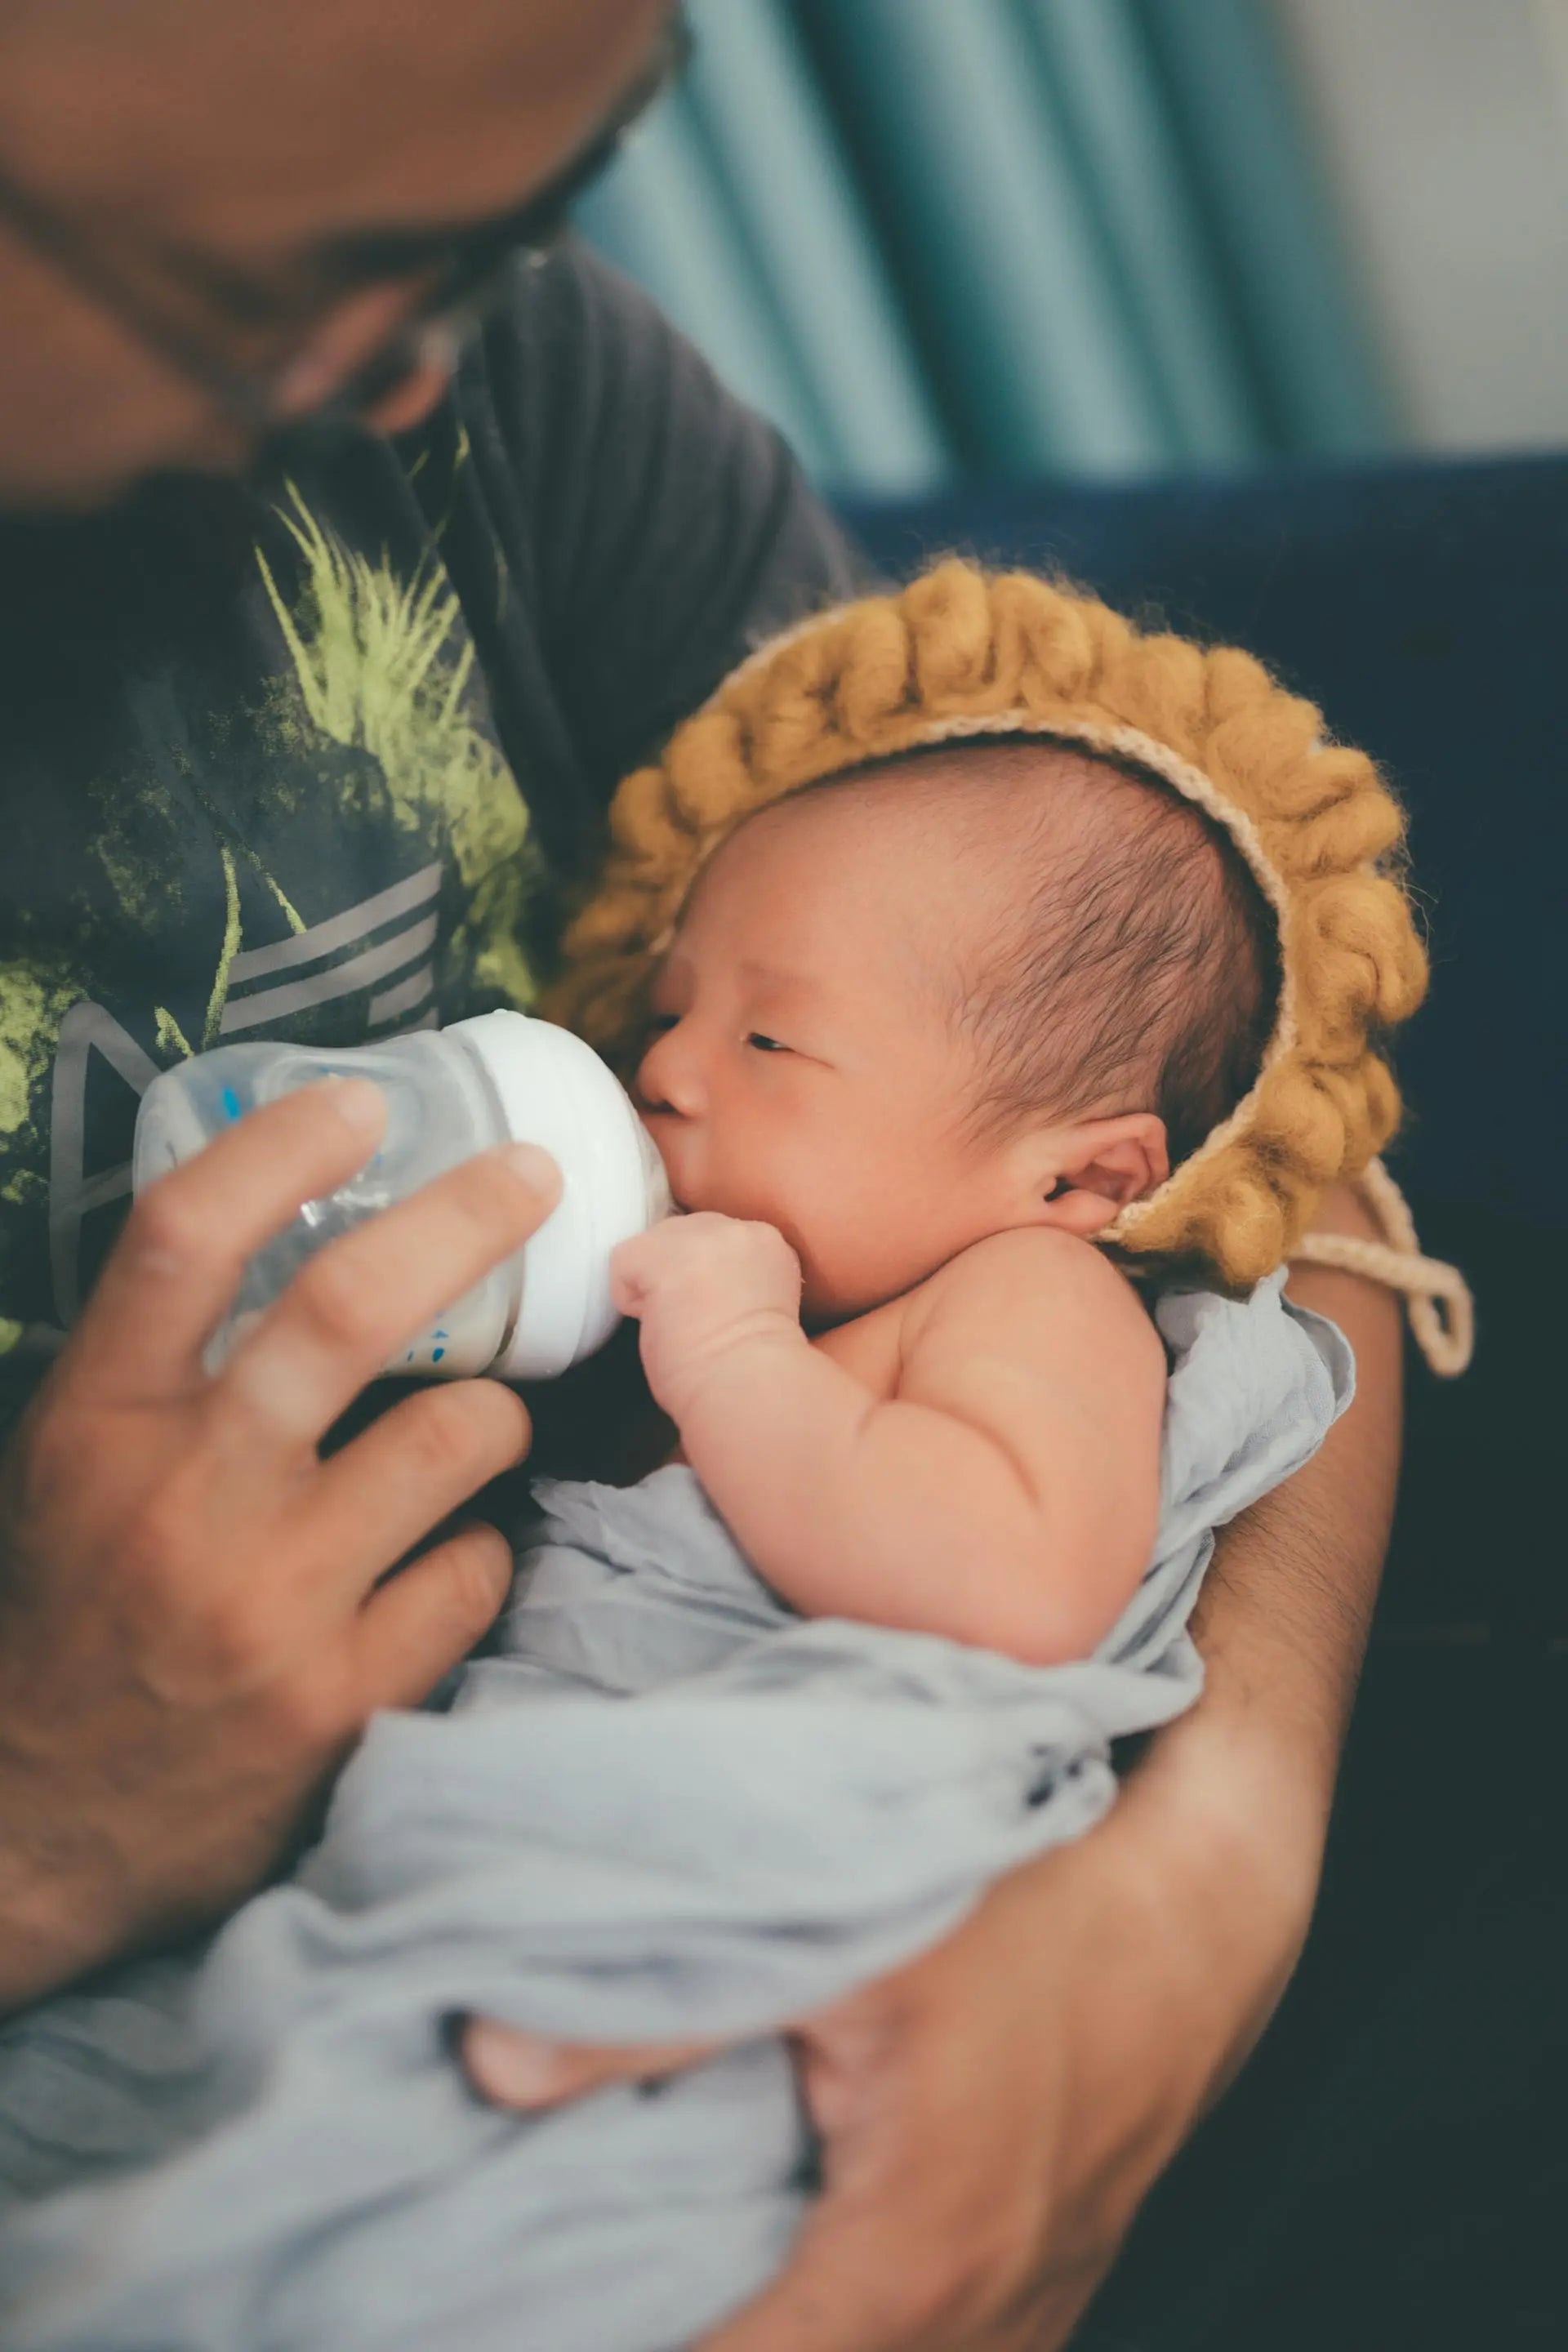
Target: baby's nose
[[669, 1076]]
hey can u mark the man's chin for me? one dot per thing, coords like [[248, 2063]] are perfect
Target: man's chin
[[83, 491], [31, 499]]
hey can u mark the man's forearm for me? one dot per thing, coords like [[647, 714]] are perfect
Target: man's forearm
[[1282, 1623]]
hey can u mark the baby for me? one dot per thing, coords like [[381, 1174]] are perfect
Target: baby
[[921, 1033]]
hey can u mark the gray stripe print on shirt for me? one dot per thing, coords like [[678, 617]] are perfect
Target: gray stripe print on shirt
[[280, 995]]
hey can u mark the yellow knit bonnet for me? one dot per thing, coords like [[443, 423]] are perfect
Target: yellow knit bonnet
[[961, 653]]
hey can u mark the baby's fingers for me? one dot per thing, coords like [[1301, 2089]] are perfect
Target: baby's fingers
[[519, 2070], [629, 1275], [666, 1251]]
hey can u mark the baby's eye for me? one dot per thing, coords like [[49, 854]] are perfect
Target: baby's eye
[[765, 1044]]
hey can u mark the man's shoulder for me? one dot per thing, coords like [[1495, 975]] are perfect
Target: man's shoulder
[[592, 473], [598, 408]]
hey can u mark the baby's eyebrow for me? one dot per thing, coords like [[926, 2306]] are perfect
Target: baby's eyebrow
[[777, 981]]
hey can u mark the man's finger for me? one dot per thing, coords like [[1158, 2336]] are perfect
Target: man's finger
[[519, 2070], [854, 2285], [348, 1310], [907, 2248], [167, 1282], [873, 2276], [426, 1620], [412, 1468], [851, 2285]]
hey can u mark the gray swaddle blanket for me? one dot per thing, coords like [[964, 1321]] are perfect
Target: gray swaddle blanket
[[665, 1807]]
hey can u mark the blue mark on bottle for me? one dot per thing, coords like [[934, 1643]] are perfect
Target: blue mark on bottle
[[436, 1354], [230, 1103]]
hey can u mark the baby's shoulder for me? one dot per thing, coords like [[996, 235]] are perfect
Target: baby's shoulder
[[1037, 1276], [1041, 1257]]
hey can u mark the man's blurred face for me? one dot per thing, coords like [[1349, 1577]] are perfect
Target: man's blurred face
[[217, 220]]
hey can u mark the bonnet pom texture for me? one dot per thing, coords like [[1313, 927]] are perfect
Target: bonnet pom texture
[[961, 652]]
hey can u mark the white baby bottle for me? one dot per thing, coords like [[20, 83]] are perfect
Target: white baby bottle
[[501, 1077]]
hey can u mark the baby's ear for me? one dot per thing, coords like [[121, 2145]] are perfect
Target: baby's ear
[[1093, 1170]]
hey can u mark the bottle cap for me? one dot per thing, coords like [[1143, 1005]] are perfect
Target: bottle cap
[[554, 1090]]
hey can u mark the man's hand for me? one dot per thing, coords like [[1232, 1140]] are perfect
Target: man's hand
[[993, 2114], [193, 1624], [702, 1286]]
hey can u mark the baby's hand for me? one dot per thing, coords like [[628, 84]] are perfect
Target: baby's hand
[[702, 1286]]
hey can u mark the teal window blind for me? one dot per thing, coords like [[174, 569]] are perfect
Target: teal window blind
[[937, 238]]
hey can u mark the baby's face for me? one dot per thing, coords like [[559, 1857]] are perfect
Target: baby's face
[[807, 1072]]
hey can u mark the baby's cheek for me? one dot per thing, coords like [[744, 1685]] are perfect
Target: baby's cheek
[[844, 1273], [825, 1211], [877, 1247]]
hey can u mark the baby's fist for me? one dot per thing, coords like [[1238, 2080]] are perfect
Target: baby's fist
[[704, 1286]]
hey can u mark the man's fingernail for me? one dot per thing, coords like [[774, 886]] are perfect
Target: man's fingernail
[[359, 1103], [536, 1168], [511, 2066]]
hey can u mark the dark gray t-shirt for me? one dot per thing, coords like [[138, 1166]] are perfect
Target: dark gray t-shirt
[[320, 756]]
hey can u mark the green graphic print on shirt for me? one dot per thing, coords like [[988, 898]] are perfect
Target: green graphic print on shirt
[[322, 841]]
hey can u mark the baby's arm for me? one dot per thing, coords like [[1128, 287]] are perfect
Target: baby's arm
[[1007, 1495]]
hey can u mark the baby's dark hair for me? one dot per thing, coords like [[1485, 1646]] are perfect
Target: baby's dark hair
[[1130, 961]]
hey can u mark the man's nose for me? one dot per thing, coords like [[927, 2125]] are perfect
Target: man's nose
[[669, 1076]]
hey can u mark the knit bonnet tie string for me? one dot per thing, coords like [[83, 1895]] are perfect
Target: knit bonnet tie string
[[1436, 1297]]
